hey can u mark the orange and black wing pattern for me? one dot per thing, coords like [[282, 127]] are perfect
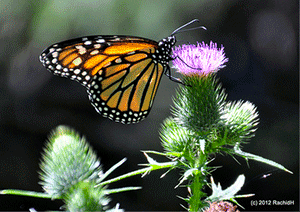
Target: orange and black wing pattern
[[121, 73]]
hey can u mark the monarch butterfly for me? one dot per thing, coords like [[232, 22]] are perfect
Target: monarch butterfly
[[121, 73]]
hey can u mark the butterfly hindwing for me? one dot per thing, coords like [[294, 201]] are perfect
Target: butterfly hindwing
[[124, 91]]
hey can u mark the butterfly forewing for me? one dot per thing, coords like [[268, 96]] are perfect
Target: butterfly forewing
[[121, 73]]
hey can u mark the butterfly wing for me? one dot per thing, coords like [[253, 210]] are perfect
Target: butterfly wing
[[120, 73]]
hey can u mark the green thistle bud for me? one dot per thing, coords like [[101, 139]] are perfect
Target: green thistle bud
[[67, 160], [174, 138], [239, 121], [198, 106]]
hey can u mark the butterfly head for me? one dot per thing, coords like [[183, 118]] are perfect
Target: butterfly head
[[165, 48], [167, 42], [172, 40]]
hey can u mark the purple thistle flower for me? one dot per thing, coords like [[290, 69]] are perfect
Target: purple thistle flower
[[202, 59]]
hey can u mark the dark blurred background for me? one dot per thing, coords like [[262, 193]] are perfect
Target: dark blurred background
[[260, 40]]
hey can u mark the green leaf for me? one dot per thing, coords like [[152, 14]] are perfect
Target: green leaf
[[114, 167], [27, 193], [186, 175], [118, 190], [250, 156], [151, 166], [228, 194], [157, 165]]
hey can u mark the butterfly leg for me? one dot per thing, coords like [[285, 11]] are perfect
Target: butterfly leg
[[174, 79], [176, 57]]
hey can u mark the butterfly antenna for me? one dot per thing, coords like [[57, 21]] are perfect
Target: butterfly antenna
[[178, 30], [200, 27]]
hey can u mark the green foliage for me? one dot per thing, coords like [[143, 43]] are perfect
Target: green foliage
[[203, 125]]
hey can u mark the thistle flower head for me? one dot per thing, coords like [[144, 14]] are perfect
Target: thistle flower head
[[200, 59]]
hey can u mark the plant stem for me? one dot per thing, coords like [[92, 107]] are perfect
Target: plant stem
[[196, 186]]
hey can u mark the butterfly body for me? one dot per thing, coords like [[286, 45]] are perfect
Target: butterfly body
[[121, 73]]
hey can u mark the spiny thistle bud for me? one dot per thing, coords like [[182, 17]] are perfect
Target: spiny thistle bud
[[67, 160]]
